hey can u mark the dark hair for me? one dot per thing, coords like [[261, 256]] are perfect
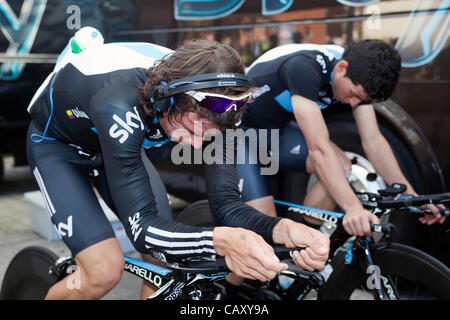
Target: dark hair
[[196, 57], [375, 65]]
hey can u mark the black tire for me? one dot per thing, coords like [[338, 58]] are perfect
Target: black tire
[[197, 214], [417, 275], [2, 167], [27, 276]]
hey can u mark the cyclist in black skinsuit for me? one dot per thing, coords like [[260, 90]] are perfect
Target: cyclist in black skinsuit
[[304, 70], [93, 117]]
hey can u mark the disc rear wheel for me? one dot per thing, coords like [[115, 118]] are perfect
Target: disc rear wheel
[[404, 272], [27, 276]]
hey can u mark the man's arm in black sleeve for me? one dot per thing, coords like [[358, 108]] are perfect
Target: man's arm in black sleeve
[[121, 132], [224, 197]]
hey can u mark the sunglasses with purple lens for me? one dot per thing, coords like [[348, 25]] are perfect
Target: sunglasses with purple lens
[[219, 103]]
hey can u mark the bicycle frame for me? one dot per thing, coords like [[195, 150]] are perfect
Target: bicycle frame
[[156, 275], [340, 237], [170, 281], [388, 200]]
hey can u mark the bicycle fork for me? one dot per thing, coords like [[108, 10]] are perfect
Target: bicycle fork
[[382, 287]]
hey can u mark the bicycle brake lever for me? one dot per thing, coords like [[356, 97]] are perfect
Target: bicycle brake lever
[[445, 212], [384, 228], [293, 270], [387, 229], [284, 253]]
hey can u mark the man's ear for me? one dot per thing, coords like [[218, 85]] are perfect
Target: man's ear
[[341, 67], [192, 116]]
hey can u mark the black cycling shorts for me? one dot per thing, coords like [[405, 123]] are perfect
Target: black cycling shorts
[[293, 152], [65, 178]]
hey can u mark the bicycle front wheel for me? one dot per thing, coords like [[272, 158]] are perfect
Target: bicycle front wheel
[[407, 273], [27, 276]]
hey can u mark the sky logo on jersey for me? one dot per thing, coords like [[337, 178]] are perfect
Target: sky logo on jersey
[[122, 128], [322, 63]]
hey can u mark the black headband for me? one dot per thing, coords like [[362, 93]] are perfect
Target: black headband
[[204, 81]]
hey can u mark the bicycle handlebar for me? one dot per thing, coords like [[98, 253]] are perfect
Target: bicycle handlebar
[[393, 198], [383, 228], [215, 267], [284, 253], [412, 201], [218, 264], [445, 212]]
